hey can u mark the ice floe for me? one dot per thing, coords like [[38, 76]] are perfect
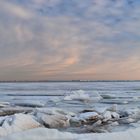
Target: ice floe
[[53, 121], [12, 110], [83, 96], [16, 123], [29, 103], [93, 120]]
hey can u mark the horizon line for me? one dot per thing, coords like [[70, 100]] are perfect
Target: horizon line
[[16, 81]]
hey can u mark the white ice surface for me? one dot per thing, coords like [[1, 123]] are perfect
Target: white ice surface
[[53, 134], [88, 115]]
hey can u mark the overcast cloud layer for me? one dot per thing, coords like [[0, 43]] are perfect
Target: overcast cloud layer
[[69, 39]]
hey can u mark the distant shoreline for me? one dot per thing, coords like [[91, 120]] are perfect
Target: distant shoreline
[[45, 81]]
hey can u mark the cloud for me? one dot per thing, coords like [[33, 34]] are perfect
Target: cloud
[[62, 39], [15, 10]]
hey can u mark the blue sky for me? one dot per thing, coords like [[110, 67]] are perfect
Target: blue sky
[[69, 39]]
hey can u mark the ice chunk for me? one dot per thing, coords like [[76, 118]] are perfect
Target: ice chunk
[[4, 104], [86, 118], [13, 110], [126, 120], [114, 108], [2, 118], [54, 111], [88, 115], [114, 124], [115, 115], [78, 95], [98, 123], [29, 103], [107, 116], [100, 110], [82, 96], [53, 121], [16, 123]]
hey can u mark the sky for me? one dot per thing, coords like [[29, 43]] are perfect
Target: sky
[[69, 40]]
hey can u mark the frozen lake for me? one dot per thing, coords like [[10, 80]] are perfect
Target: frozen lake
[[125, 94], [31, 96]]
